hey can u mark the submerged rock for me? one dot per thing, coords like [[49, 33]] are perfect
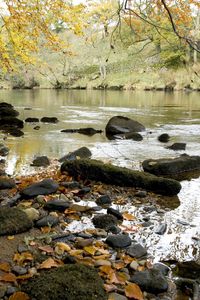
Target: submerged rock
[[173, 166], [70, 282], [177, 146], [164, 138], [13, 220], [82, 152], [44, 187], [110, 174], [87, 131], [49, 120], [151, 281], [31, 120], [11, 122], [122, 125]]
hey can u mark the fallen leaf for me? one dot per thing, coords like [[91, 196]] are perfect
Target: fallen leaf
[[75, 252], [19, 296], [108, 270], [46, 248], [88, 261], [61, 248], [118, 278], [8, 277], [128, 216], [133, 291], [90, 249], [110, 288], [45, 229], [50, 263], [119, 265], [129, 228], [10, 237], [24, 277], [20, 258], [4, 266]]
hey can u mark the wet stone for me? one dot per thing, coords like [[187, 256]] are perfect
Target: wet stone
[[104, 221], [162, 268], [71, 185], [151, 281], [136, 251], [56, 204], [161, 229], [115, 213], [103, 200], [114, 229], [19, 270], [41, 161], [141, 194], [6, 183], [115, 296], [118, 240], [44, 187], [47, 221]]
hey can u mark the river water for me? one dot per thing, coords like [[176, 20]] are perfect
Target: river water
[[177, 114]]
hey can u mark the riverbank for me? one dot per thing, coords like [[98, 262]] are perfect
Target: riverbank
[[51, 224]]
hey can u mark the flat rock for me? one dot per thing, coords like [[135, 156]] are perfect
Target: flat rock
[[118, 240], [6, 183], [44, 187], [136, 251], [86, 131], [110, 174], [177, 146], [47, 221], [70, 282], [31, 120], [49, 120], [173, 167], [103, 200], [151, 281], [115, 212], [13, 220], [57, 205]]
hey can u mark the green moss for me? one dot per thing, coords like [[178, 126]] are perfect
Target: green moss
[[13, 220], [71, 282], [110, 174]]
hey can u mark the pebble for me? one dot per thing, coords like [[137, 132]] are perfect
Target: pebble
[[102, 262], [32, 213], [103, 200], [161, 229], [115, 213], [136, 251], [47, 221], [134, 265], [118, 240], [19, 270], [115, 296]]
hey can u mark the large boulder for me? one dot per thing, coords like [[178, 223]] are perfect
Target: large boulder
[[44, 187], [110, 174], [11, 121], [70, 282], [7, 110], [179, 167], [122, 125]]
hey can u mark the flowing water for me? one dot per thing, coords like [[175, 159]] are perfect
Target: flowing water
[[177, 114]]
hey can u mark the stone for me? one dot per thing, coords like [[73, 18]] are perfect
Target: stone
[[69, 282], [13, 220], [136, 251], [177, 146], [82, 152], [122, 125], [3, 290], [41, 161], [32, 213], [102, 262], [31, 120], [104, 221], [141, 194], [44, 187], [134, 265], [173, 167], [135, 136], [118, 240], [15, 132], [164, 138], [103, 200], [6, 183], [47, 221], [11, 121], [86, 131], [19, 270], [110, 174], [115, 296], [49, 120], [6, 111], [151, 281], [162, 268], [3, 150], [161, 229], [71, 185], [115, 212]]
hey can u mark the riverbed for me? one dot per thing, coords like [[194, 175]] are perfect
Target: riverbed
[[177, 114]]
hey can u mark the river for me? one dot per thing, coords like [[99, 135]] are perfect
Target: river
[[177, 114]]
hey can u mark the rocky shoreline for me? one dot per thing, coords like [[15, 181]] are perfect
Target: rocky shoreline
[[53, 229]]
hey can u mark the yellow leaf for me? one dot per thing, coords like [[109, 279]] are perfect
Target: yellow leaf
[[19, 296], [133, 291], [128, 216], [90, 249], [10, 237], [50, 263]]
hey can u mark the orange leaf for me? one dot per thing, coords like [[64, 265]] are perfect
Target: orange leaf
[[119, 278], [50, 263], [106, 269], [24, 256], [128, 216], [8, 277], [46, 248], [5, 267], [133, 291], [19, 296], [119, 265]]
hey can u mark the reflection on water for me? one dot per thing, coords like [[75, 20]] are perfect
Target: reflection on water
[[178, 114]]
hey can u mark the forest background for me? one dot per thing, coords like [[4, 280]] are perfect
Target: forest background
[[100, 44]]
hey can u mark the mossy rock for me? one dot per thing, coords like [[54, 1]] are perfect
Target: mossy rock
[[70, 282], [110, 174], [13, 220]]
